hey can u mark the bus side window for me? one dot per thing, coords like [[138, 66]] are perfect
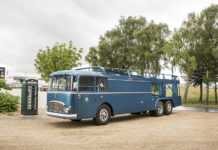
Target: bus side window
[[86, 83], [155, 89], [74, 84], [101, 84]]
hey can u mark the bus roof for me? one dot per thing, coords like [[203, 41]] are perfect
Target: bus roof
[[77, 73], [116, 73]]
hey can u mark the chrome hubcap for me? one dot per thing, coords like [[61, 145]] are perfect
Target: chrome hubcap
[[169, 107], [104, 114], [160, 109]]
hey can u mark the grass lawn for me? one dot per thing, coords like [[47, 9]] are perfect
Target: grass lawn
[[193, 97]]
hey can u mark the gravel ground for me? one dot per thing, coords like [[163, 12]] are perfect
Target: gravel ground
[[180, 130]]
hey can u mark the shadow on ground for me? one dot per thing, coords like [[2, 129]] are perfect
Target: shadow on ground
[[89, 122]]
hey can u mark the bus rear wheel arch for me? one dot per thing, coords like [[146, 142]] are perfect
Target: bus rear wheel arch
[[103, 114]]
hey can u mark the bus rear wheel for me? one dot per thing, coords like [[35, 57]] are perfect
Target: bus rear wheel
[[159, 109], [103, 115], [168, 107]]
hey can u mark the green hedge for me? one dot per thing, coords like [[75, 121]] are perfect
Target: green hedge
[[8, 102]]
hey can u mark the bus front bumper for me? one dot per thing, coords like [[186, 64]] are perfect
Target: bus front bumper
[[64, 116]]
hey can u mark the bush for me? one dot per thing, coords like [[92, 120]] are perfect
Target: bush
[[8, 102], [3, 85]]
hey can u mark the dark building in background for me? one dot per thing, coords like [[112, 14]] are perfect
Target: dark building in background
[[2, 72]]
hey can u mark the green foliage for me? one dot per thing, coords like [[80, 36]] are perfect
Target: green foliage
[[172, 51], [3, 85], [59, 57], [203, 37], [134, 43], [194, 47], [92, 57], [8, 102], [149, 48], [185, 44], [209, 34]]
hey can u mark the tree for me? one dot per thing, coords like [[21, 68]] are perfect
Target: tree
[[197, 77], [149, 48], [3, 85], [209, 42], [171, 52], [196, 50], [59, 57], [134, 43], [186, 64], [198, 38], [115, 48], [185, 44], [92, 57]]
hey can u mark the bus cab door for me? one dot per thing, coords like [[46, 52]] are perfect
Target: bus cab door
[[86, 97], [86, 105]]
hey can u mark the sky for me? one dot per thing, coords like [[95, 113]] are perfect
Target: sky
[[29, 25]]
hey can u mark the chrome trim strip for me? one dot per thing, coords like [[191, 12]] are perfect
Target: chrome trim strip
[[64, 116], [117, 93], [65, 92], [101, 92], [57, 102], [130, 80]]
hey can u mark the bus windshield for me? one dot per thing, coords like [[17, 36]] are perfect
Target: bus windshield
[[60, 83]]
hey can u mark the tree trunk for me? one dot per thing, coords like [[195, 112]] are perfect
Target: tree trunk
[[207, 90], [201, 91], [207, 93], [215, 91], [186, 92]]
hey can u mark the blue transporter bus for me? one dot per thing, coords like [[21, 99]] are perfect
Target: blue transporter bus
[[99, 93]]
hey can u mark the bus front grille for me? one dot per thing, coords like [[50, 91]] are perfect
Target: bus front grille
[[56, 106]]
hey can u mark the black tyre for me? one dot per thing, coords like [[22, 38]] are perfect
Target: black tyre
[[103, 115], [159, 109], [168, 107]]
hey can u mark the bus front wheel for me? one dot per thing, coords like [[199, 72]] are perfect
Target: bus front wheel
[[159, 109], [103, 115]]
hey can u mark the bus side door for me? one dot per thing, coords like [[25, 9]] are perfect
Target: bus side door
[[86, 97]]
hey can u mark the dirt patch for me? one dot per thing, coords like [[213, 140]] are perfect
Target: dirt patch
[[180, 130]]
